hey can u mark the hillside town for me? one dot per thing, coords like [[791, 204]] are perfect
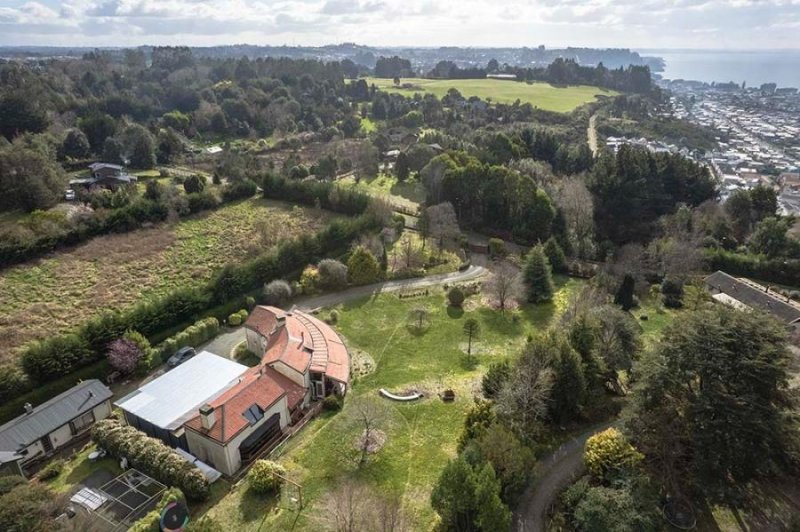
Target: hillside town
[[758, 135]]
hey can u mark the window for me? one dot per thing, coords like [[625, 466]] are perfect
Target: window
[[253, 414], [81, 422]]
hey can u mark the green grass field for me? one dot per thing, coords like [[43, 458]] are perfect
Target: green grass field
[[541, 95], [56, 293], [421, 436], [409, 192]]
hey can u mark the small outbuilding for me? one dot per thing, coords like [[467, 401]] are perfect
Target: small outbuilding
[[42, 430]]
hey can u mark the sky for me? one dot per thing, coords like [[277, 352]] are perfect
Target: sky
[[637, 24]]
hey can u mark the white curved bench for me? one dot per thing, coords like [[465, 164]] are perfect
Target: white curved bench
[[389, 395]]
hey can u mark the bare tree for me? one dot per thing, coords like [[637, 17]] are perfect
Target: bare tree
[[419, 316], [410, 254], [355, 507], [369, 414], [441, 223], [575, 201], [523, 398], [504, 285]]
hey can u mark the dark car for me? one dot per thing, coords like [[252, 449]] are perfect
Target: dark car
[[181, 355]]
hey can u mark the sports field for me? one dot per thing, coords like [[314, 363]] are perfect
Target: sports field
[[541, 95]]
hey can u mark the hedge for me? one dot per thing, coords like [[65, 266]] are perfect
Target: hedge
[[194, 335], [772, 270], [151, 456], [322, 193], [57, 356]]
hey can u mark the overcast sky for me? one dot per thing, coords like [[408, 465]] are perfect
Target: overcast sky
[[737, 24]]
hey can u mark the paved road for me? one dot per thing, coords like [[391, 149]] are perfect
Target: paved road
[[224, 344], [553, 474]]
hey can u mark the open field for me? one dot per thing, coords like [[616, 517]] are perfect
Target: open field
[[53, 294], [541, 95], [421, 436]]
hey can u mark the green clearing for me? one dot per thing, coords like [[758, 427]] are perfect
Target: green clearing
[[78, 468], [541, 95], [54, 294], [421, 436], [409, 193]]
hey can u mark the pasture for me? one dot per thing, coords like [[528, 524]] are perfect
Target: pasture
[[541, 95], [56, 293]]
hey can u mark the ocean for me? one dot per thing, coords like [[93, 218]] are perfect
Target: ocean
[[753, 67]]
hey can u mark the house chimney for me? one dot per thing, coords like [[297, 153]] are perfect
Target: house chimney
[[207, 416], [28, 408]]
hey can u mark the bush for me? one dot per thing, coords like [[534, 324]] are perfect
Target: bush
[[495, 378], [56, 356], [497, 248], [9, 482], [277, 293], [194, 335], [333, 317], [29, 506], [202, 201], [151, 522], [52, 470], [323, 193], [239, 190], [13, 383], [150, 456], [265, 476], [455, 296], [309, 280], [332, 403], [194, 184], [332, 274], [609, 455], [250, 302], [363, 267], [235, 319]]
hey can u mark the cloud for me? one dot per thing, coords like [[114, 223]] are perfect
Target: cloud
[[618, 23]]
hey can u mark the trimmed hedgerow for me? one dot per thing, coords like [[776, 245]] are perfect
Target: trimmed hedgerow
[[194, 335], [150, 456]]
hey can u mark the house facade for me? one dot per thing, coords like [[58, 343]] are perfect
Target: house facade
[[224, 413], [105, 175], [42, 430]]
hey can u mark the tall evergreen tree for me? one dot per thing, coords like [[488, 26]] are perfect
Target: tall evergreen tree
[[624, 297], [537, 276], [555, 255]]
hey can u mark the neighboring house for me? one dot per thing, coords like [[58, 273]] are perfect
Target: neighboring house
[[225, 414], [745, 294], [105, 175], [42, 430]]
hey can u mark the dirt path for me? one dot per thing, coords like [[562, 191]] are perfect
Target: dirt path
[[553, 474], [591, 133]]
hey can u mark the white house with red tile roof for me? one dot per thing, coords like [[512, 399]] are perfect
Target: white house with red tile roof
[[225, 413]]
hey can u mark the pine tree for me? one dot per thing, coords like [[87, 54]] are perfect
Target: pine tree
[[401, 167], [538, 277], [624, 297], [555, 255]]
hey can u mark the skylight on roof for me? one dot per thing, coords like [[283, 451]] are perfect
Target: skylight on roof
[[253, 414]]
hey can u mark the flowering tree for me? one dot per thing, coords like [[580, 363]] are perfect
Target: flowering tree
[[123, 354]]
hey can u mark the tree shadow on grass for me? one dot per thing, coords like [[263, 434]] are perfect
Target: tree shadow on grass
[[255, 506], [455, 312]]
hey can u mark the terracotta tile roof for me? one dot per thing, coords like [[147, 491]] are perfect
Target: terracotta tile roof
[[303, 342], [262, 386]]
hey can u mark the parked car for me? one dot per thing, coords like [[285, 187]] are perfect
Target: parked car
[[69, 195], [181, 355]]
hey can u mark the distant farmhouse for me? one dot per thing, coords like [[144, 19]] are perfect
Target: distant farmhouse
[[104, 175], [43, 430], [745, 295], [226, 414]]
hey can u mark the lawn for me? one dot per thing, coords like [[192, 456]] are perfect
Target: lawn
[[410, 192], [78, 468], [51, 295], [541, 95], [421, 436]]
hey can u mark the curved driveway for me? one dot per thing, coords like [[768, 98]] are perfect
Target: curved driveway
[[224, 344], [553, 474]]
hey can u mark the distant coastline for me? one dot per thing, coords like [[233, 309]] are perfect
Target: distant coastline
[[753, 67]]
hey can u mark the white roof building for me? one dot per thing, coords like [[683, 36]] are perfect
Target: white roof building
[[172, 399]]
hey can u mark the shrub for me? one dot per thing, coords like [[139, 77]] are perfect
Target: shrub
[[495, 378], [9, 482], [150, 456], [194, 335], [56, 356], [608, 454], [363, 267], [29, 506], [265, 476], [250, 302], [152, 520], [332, 403], [309, 280], [239, 190], [52, 470], [13, 382], [202, 201], [124, 355], [332, 274], [194, 184], [333, 317], [277, 293], [497, 248], [235, 319], [455, 296]]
